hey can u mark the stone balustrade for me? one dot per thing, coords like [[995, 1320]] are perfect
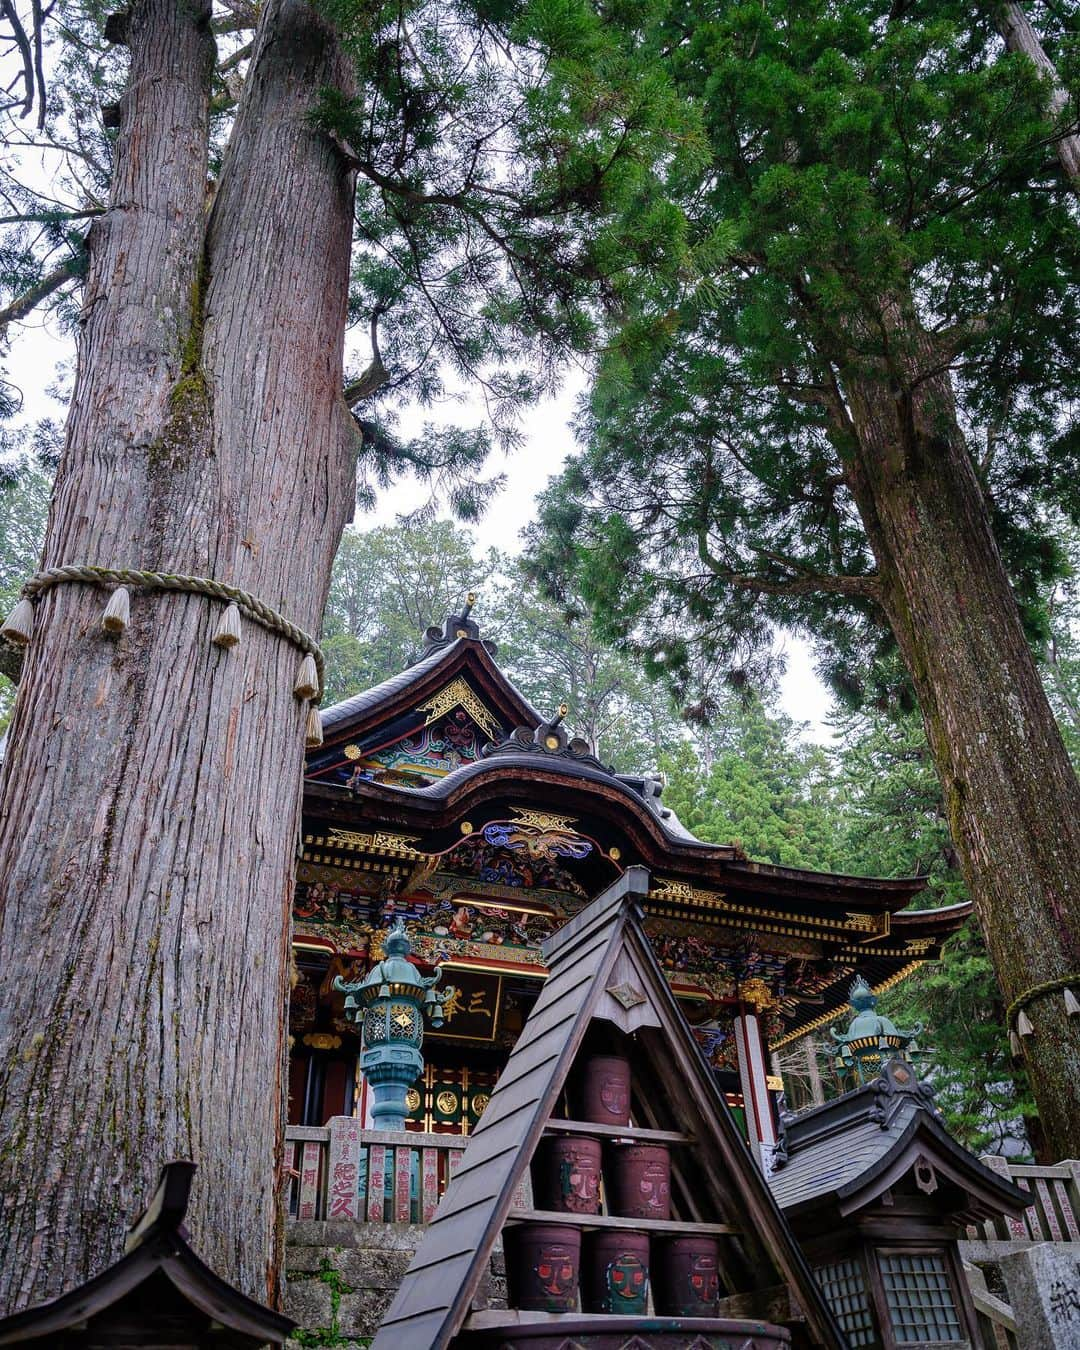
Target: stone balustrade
[[339, 1171]]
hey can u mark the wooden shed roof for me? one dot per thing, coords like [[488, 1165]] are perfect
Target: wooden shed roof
[[841, 1156], [601, 967], [159, 1286]]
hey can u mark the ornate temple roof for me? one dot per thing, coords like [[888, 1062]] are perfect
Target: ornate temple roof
[[450, 750]]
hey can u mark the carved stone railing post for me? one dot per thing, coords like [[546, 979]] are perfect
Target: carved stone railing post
[[343, 1173]]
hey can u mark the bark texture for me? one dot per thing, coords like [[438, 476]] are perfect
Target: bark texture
[[151, 791], [1015, 27], [1012, 797]]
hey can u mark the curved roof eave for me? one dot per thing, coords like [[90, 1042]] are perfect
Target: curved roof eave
[[526, 767], [494, 767], [944, 917], [961, 1166]]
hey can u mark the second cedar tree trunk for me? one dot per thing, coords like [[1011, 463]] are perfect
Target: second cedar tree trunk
[[151, 790], [1012, 796]]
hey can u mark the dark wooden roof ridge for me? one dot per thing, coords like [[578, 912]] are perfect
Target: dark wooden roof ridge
[[945, 919], [434, 1299], [400, 693], [888, 1127], [157, 1241], [924, 1132]]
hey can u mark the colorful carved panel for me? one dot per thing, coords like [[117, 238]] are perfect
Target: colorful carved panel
[[519, 858]]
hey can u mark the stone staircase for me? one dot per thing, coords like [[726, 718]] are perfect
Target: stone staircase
[[341, 1277]]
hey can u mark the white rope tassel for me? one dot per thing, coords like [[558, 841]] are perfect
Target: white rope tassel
[[117, 614], [1072, 1007], [1023, 1024], [307, 678], [228, 630], [19, 626], [313, 736], [1015, 1049]]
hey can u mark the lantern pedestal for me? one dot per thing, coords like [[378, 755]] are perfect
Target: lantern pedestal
[[391, 1070]]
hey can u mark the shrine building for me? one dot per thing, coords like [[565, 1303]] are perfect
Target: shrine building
[[442, 797]]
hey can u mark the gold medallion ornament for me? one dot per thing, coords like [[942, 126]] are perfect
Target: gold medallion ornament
[[412, 1100], [322, 1040], [479, 1101], [447, 1102]]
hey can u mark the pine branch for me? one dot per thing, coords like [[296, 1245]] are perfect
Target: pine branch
[[1015, 27], [24, 304], [864, 586], [376, 375]]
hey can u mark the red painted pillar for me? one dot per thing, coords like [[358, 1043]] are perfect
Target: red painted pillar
[[753, 1079]]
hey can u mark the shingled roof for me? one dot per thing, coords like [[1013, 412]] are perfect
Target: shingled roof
[[158, 1286], [601, 967], [840, 1156]]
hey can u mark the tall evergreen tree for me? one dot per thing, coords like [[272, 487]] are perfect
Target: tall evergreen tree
[[752, 780], [857, 428], [893, 823], [151, 786], [554, 656]]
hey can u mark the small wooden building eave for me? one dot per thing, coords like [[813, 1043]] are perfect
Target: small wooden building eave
[[158, 1252], [841, 1158], [987, 1194]]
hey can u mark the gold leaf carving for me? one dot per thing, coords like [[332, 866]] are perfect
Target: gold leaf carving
[[457, 694]]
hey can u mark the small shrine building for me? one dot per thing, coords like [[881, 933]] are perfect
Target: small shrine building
[[443, 798]]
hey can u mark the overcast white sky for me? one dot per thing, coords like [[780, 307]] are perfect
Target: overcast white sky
[[36, 351]]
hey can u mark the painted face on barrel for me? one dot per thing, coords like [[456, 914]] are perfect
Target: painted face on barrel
[[654, 1186], [704, 1279], [581, 1179], [555, 1270], [615, 1096], [628, 1283]]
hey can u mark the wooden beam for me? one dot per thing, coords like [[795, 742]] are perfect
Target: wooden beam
[[632, 1132], [613, 1221]]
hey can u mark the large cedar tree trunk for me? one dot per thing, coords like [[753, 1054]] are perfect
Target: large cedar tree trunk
[[151, 790], [1015, 27], [1012, 796]]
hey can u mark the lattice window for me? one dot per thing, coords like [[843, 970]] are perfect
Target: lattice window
[[844, 1288], [920, 1298]]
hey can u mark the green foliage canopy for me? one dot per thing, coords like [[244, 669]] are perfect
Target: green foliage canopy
[[864, 156]]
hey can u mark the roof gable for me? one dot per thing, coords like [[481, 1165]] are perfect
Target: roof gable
[[158, 1285], [601, 970], [422, 723]]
